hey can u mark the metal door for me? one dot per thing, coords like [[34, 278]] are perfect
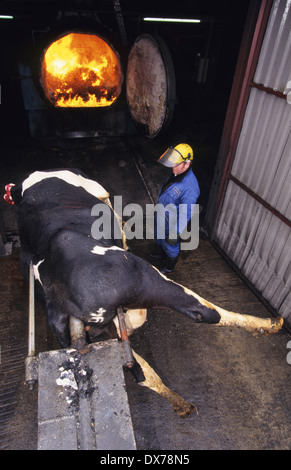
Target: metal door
[[253, 227], [150, 85]]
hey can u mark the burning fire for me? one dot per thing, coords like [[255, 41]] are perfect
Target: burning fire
[[81, 70]]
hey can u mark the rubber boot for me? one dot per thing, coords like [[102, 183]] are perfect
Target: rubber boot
[[169, 266]]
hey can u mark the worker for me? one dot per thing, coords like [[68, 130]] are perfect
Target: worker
[[180, 194]]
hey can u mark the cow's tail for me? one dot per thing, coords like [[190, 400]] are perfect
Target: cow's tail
[[119, 220]]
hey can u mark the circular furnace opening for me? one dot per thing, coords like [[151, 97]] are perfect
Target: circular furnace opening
[[81, 70]]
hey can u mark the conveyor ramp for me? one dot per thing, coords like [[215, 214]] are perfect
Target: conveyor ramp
[[82, 401]]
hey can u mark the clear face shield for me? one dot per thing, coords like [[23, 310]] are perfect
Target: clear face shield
[[171, 158]]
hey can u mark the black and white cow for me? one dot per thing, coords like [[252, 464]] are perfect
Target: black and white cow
[[77, 275]]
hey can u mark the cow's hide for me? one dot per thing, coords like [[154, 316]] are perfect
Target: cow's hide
[[77, 275]]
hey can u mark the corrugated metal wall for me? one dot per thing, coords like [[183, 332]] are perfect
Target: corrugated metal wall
[[253, 228]]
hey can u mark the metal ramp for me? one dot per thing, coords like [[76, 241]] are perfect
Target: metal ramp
[[82, 401]]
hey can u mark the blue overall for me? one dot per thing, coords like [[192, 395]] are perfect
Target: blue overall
[[180, 189]]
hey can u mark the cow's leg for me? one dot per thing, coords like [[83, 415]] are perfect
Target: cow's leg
[[154, 382], [248, 322], [186, 301], [59, 324], [134, 318]]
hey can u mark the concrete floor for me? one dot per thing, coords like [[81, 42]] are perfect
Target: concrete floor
[[240, 383]]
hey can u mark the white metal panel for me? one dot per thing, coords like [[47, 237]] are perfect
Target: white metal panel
[[274, 65], [250, 229], [263, 156], [259, 244]]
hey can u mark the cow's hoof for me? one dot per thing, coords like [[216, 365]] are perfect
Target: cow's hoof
[[184, 409], [274, 326]]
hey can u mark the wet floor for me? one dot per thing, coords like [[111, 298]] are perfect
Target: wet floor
[[240, 383]]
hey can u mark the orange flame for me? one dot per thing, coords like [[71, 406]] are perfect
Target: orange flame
[[81, 70]]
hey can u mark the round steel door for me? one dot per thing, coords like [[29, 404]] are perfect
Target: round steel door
[[150, 85]]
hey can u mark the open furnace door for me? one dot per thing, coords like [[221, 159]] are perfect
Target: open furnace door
[[150, 85]]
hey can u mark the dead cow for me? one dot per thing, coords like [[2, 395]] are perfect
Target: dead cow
[[77, 275]]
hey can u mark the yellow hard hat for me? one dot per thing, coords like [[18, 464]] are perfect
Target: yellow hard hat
[[173, 156]]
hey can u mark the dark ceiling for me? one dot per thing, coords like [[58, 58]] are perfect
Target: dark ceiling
[[41, 14], [42, 11]]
